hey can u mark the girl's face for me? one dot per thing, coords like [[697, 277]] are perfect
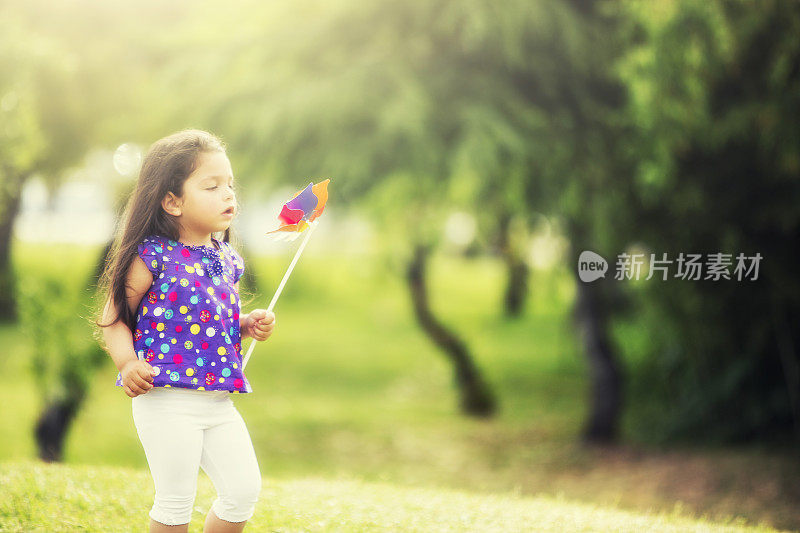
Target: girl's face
[[208, 203]]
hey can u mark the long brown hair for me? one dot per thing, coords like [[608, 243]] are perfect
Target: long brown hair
[[169, 161]]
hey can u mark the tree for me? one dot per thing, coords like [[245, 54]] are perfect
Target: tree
[[715, 91]]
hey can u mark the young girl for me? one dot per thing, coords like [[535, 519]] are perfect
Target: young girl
[[173, 327]]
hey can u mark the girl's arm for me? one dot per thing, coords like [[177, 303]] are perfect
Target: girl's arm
[[118, 337]]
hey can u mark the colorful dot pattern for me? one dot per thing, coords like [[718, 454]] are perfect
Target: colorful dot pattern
[[187, 324]]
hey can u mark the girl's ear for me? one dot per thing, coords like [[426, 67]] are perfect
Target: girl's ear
[[172, 204]]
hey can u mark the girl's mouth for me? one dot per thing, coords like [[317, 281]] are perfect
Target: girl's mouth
[[229, 211]]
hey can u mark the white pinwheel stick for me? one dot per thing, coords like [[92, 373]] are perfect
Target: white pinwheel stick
[[313, 226]]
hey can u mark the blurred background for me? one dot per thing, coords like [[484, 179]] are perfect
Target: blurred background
[[435, 331]]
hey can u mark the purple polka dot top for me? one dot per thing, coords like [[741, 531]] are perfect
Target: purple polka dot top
[[187, 324]]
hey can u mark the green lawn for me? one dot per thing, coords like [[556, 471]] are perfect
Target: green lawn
[[348, 386], [67, 498]]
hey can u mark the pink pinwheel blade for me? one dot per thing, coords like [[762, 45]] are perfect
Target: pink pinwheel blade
[[289, 215]]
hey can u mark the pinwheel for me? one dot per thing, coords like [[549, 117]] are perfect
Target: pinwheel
[[297, 215]]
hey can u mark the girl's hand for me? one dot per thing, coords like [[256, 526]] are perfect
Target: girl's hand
[[258, 324], [137, 377]]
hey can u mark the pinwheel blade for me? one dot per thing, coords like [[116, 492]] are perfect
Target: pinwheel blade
[[303, 208]]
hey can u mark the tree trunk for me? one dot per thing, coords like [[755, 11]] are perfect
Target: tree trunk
[[476, 398], [10, 197], [516, 287], [604, 373], [52, 426], [516, 269]]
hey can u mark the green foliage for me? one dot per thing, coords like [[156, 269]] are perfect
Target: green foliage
[[43, 104], [714, 102], [65, 356], [477, 106]]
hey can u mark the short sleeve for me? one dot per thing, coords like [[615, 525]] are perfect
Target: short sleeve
[[151, 251]]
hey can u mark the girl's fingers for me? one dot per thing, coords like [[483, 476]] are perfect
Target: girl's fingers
[[139, 386], [142, 383], [260, 329]]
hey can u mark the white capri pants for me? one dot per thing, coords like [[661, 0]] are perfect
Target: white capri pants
[[182, 429]]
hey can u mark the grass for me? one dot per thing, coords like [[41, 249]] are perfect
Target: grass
[[348, 387], [53, 497]]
